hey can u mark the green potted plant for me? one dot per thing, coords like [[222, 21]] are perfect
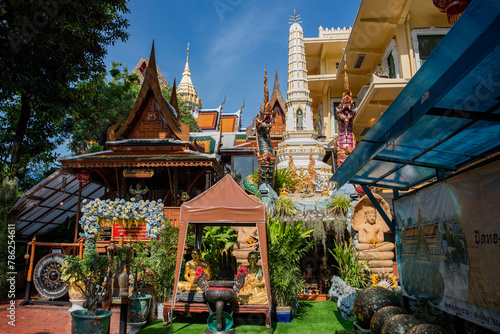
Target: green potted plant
[[88, 274], [287, 244]]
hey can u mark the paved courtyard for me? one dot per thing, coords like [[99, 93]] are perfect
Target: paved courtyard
[[42, 319]]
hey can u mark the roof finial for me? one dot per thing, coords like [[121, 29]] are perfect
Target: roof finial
[[346, 77], [186, 69], [266, 90], [294, 18]]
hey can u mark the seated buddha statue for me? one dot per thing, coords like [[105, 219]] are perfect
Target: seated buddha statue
[[190, 285], [371, 228], [371, 234], [254, 289]]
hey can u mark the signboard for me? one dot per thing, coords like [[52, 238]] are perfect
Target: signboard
[[134, 232], [138, 173], [104, 233], [449, 247]]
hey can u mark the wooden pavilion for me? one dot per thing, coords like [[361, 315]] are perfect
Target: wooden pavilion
[[150, 153]]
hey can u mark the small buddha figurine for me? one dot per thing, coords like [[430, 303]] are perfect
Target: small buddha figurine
[[254, 289], [190, 285], [325, 270], [283, 191]]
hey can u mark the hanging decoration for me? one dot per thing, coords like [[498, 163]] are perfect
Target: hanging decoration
[[83, 177], [452, 8]]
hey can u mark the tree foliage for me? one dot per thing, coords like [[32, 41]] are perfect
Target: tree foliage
[[47, 47], [107, 100]]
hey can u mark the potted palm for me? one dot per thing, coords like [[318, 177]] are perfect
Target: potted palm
[[88, 274], [287, 244]]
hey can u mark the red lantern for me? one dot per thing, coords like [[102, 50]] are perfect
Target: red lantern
[[83, 177], [452, 8]]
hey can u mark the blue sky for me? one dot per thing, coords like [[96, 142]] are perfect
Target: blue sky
[[230, 43]]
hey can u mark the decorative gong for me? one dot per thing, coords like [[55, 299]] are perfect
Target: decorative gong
[[47, 276]]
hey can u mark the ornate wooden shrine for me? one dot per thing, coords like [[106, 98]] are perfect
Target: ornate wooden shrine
[[150, 155]]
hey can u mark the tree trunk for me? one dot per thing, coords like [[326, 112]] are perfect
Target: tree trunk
[[22, 124]]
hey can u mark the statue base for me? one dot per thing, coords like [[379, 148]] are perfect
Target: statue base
[[192, 297]]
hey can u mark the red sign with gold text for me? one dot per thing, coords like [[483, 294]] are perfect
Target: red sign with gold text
[[135, 232]]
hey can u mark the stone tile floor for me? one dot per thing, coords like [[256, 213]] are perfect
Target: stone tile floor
[[42, 319]]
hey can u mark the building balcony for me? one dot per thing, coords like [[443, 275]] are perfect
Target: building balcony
[[373, 100]]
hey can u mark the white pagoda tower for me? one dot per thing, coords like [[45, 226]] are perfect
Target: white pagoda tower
[[299, 139]]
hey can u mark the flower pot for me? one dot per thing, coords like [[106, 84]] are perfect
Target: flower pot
[[76, 297], [75, 292], [138, 308], [283, 313], [90, 324]]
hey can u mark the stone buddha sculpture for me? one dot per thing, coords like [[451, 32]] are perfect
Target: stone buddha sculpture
[[371, 228], [254, 289], [246, 242], [190, 285]]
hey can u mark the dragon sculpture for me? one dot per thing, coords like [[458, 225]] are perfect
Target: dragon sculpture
[[264, 149]]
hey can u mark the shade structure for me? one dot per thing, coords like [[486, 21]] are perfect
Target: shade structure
[[225, 203]]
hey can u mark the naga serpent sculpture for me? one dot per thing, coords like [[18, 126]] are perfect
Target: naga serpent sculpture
[[264, 149]]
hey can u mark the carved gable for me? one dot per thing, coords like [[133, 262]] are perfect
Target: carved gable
[[151, 124]]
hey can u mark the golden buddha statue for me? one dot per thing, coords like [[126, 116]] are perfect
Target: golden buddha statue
[[254, 289], [190, 285]]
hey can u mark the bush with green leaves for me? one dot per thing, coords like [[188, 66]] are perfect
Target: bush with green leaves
[[339, 205], [287, 244], [88, 274], [163, 259], [284, 207], [282, 177], [216, 240], [353, 272]]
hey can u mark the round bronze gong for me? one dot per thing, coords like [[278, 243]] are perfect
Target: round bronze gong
[[47, 276]]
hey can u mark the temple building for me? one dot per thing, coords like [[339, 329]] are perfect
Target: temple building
[[186, 90], [379, 65], [300, 148], [140, 70]]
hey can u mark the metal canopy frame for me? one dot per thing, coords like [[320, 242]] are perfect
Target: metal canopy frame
[[48, 205], [447, 116]]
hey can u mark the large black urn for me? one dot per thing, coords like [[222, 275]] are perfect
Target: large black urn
[[220, 293]]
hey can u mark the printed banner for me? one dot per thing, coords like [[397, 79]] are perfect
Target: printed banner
[[449, 248]]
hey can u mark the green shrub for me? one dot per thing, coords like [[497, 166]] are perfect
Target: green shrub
[[353, 272], [287, 244]]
